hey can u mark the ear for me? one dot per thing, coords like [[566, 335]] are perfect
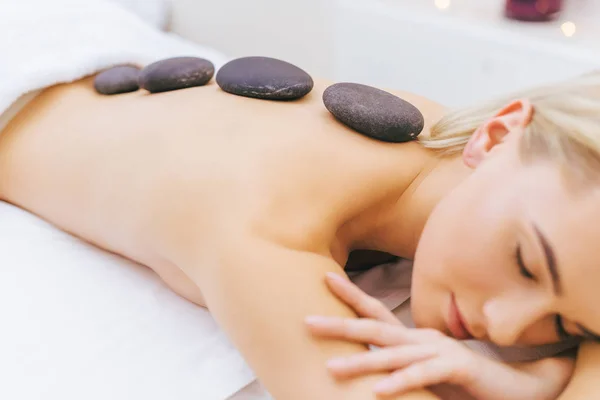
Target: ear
[[509, 121]]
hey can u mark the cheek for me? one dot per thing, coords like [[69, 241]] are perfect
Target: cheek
[[450, 266], [436, 267], [464, 246], [453, 256], [443, 240]]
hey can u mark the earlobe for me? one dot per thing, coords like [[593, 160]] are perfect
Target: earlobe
[[483, 140], [476, 148]]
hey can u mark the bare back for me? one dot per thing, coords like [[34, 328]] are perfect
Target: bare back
[[225, 198], [141, 175]]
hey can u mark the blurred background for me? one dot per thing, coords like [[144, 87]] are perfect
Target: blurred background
[[453, 51]]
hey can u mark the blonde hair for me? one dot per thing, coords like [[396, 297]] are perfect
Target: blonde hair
[[565, 125]]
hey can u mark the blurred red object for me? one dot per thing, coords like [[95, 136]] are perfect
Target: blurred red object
[[533, 10]]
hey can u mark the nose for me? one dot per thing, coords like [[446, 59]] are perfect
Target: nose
[[508, 317]]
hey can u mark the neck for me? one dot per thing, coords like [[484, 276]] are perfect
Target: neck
[[398, 226]]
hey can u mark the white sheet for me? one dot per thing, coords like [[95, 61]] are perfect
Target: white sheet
[[79, 323]]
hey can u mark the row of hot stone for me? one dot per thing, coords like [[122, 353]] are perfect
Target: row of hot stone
[[367, 110]]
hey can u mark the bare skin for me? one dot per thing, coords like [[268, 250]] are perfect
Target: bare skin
[[220, 202]]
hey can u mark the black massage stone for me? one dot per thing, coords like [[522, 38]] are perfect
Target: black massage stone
[[374, 112], [264, 78], [117, 80], [176, 73]]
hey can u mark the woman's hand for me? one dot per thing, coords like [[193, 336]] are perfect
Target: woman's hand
[[419, 358]]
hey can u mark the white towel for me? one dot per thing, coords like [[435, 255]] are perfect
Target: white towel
[[45, 42], [80, 323]]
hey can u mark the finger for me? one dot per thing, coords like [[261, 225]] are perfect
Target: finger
[[364, 305], [384, 360], [420, 375], [366, 331]]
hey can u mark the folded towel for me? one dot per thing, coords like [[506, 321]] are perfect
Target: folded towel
[[46, 42]]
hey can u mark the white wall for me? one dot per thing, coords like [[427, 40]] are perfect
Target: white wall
[[457, 61], [457, 56], [298, 31]]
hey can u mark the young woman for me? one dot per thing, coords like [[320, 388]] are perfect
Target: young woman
[[244, 206], [507, 256]]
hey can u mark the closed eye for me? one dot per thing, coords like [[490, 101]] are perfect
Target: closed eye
[[522, 268]]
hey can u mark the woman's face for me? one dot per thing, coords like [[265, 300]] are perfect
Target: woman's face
[[514, 251]]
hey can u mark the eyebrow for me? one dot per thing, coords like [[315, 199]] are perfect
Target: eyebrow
[[556, 282], [550, 261]]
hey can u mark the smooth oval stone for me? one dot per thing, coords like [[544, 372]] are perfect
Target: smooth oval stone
[[117, 80], [176, 73], [264, 78], [374, 112]]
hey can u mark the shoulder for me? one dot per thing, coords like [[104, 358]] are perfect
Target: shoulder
[[432, 111]]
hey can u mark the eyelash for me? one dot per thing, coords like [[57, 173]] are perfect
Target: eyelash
[[522, 269], [558, 321]]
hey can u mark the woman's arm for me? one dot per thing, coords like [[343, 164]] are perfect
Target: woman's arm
[[584, 382], [260, 293], [417, 358]]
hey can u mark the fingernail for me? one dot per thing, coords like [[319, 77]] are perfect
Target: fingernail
[[335, 277], [314, 319], [384, 386]]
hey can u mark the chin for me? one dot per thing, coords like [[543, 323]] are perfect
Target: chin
[[425, 312], [430, 321], [430, 298]]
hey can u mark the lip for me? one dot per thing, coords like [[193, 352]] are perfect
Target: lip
[[456, 322]]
